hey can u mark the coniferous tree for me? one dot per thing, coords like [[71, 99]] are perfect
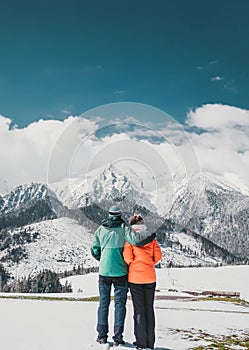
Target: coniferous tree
[[4, 277]]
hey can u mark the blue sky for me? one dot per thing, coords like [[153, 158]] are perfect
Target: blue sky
[[66, 57]]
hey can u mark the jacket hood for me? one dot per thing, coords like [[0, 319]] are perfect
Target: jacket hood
[[113, 221], [146, 240]]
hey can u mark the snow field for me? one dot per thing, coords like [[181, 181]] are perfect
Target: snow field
[[225, 278], [55, 325], [63, 325]]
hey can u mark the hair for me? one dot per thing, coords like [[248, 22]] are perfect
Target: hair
[[136, 219]]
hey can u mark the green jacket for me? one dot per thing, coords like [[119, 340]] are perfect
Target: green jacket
[[108, 243]]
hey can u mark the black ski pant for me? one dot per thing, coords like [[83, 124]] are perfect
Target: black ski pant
[[144, 317]]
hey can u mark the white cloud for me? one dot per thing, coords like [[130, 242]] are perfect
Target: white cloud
[[67, 110], [223, 144], [48, 150], [207, 65], [217, 139], [213, 62], [230, 86], [217, 78], [25, 152], [217, 116]]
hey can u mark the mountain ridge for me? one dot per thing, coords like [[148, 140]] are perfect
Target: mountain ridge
[[29, 215]]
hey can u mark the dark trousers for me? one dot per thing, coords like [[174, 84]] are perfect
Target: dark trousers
[[144, 317], [120, 296]]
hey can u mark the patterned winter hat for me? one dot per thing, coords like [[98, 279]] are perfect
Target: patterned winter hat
[[115, 211]]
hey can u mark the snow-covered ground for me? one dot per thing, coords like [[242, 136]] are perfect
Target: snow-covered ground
[[48, 325], [180, 324], [225, 278]]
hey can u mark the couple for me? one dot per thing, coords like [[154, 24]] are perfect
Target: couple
[[126, 254]]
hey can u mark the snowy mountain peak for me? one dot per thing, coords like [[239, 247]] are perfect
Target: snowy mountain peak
[[108, 183], [116, 183], [120, 177], [114, 175], [215, 209], [22, 195], [210, 181]]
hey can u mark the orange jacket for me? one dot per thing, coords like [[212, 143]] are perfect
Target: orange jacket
[[141, 261]]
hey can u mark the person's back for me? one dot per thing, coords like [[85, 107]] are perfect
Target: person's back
[[108, 243], [142, 260], [107, 247], [142, 283]]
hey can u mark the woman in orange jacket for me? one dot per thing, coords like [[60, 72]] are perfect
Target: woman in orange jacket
[[142, 283]]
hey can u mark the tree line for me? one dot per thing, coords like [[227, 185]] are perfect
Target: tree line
[[45, 281]]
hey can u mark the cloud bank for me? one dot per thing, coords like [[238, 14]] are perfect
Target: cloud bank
[[25, 152], [46, 150], [217, 117], [220, 135]]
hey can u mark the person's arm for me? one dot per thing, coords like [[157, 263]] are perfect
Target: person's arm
[[128, 253], [157, 253], [95, 248], [138, 238]]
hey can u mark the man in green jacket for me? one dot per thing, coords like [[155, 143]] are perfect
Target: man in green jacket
[[107, 247]]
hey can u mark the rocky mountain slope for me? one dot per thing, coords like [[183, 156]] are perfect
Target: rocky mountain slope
[[218, 211], [205, 203], [104, 184], [63, 245], [207, 223], [58, 245]]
